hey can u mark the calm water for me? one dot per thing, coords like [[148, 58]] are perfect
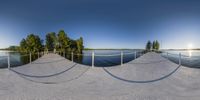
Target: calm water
[[16, 58], [103, 58], [189, 58]]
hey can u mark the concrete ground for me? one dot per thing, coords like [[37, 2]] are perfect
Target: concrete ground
[[52, 77]]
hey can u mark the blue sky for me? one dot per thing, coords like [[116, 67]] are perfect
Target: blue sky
[[103, 23]]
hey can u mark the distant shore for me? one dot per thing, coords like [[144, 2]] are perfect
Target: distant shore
[[110, 49], [6, 49]]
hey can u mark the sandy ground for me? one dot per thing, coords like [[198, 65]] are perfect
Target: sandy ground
[[150, 77]]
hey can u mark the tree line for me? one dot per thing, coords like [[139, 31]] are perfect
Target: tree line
[[155, 46], [53, 42]]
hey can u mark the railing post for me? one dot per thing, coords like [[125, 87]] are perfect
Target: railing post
[[30, 57], [135, 54], [167, 55], [72, 55], [122, 58], [64, 54], [8, 60], [179, 59], [93, 59]]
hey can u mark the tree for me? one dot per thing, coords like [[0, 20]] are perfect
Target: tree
[[149, 46], [154, 45], [63, 40], [79, 43], [73, 46], [23, 45], [51, 41], [32, 43], [157, 45]]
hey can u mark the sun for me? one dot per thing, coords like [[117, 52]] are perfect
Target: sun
[[190, 46]]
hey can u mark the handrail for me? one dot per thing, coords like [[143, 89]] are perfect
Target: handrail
[[130, 53], [3, 56], [83, 54], [104, 55]]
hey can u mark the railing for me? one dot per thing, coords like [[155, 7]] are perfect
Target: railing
[[179, 57], [29, 55], [93, 56]]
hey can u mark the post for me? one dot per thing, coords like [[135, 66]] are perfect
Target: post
[[38, 55], [93, 59], [64, 54], [122, 58], [72, 55], [179, 59], [167, 55], [8, 61], [30, 57], [135, 54]]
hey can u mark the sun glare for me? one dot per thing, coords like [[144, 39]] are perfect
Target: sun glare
[[190, 46]]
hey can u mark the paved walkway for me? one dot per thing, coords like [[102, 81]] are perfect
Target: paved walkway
[[150, 77]]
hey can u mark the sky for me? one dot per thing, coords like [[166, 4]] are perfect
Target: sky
[[104, 23]]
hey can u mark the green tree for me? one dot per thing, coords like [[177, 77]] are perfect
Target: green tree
[[154, 45], [23, 46], [73, 46], [79, 43], [149, 46], [51, 41], [60, 41], [63, 40], [34, 43], [157, 45]]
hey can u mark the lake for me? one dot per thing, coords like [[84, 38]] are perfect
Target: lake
[[103, 58], [189, 58], [16, 58], [106, 58]]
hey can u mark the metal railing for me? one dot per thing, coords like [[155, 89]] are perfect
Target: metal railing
[[93, 55], [179, 57], [30, 58]]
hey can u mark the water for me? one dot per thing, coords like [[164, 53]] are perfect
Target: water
[[106, 58], [103, 58], [189, 58], [16, 58]]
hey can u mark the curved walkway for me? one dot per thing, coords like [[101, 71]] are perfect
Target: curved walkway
[[162, 80]]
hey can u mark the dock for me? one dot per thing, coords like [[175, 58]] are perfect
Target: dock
[[52, 77]]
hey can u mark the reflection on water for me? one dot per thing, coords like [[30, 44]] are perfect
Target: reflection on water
[[17, 59], [189, 58], [190, 53], [107, 59]]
